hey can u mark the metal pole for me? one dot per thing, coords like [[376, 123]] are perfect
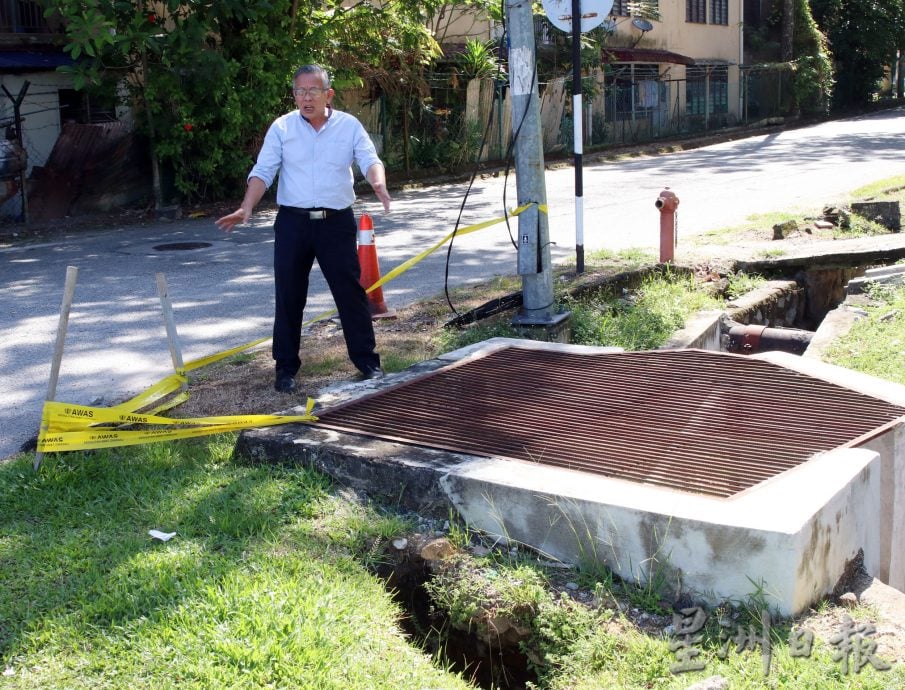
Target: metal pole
[[498, 89], [17, 118], [578, 135], [534, 263]]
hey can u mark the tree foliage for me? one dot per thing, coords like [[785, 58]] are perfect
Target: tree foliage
[[812, 76], [204, 78], [863, 36]]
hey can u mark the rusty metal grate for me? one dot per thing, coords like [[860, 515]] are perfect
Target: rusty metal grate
[[692, 420]]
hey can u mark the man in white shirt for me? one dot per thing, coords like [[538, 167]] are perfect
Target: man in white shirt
[[313, 149]]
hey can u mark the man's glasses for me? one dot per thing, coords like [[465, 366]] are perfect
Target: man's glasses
[[313, 91]]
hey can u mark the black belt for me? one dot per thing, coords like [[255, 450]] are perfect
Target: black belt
[[316, 213]]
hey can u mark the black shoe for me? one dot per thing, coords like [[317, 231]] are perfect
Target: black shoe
[[284, 383], [372, 373]]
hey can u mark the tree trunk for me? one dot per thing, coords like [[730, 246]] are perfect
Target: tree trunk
[[900, 75], [788, 30]]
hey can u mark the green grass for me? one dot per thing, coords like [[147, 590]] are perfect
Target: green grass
[[860, 227], [756, 222], [773, 253], [263, 586], [633, 660], [875, 345], [399, 361], [743, 283], [575, 646], [888, 189], [321, 365], [644, 320], [890, 186], [627, 259]]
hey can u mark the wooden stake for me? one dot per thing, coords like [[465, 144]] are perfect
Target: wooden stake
[[170, 323], [72, 274]]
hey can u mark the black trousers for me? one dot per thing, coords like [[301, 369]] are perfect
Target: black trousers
[[299, 240]]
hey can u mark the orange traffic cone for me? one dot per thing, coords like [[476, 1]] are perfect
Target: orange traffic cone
[[370, 269]]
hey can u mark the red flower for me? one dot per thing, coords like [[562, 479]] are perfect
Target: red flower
[[152, 18], [188, 126]]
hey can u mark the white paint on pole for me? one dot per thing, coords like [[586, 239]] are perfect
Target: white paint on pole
[[578, 128], [579, 221], [579, 193], [521, 71]]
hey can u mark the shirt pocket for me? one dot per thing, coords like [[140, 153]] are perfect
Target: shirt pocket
[[333, 158]]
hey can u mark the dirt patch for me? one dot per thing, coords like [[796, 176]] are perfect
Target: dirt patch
[[243, 384]]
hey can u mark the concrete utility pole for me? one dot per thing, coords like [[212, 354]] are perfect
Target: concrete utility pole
[[534, 262]]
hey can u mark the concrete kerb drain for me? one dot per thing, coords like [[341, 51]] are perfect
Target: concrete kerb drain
[[794, 534]]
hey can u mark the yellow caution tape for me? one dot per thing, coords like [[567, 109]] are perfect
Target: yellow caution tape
[[406, 265], [66, 427], [74, 427]]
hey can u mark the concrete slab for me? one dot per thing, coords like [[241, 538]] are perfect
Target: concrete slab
[[857, 251], [887, 275]]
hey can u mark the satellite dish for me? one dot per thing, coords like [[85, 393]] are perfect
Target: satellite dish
[[593, 12], [642, 24]]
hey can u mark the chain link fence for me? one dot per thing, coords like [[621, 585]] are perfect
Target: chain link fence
[[456, 124]]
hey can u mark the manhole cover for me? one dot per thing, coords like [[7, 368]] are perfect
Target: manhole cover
[[180, 246]]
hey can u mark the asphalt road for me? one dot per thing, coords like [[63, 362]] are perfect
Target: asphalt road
[[222, 293]]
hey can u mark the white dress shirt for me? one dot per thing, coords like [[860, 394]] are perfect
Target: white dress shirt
[[314, 166]]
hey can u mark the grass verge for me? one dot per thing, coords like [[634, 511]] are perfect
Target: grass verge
[[759, 227], [875, 345], [262, 586]]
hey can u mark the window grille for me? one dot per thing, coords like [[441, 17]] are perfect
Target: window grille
[[719, 12], [696, 11], [620, 8], [697, 89]]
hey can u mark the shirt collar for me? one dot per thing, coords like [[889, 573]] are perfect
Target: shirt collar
[[329, 115]]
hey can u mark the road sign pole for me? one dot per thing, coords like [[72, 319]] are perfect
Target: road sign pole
[[568, 15], [578, 135]]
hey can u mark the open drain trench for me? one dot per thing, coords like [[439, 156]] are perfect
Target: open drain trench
[[697, 421], [489, 662]]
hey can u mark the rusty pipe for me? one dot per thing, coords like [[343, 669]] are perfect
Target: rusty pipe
[[749, 339]]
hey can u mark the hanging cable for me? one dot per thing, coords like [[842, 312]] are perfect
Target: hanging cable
[[508, 159], [474, 173]]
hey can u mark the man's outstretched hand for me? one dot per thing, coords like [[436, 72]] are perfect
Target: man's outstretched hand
[[230, 221]]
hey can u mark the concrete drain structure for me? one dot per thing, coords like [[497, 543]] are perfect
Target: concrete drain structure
[[719, 472]]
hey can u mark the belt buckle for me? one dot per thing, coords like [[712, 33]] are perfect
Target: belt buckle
[[317, 215]]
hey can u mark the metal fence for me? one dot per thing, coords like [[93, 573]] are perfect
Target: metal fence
[[22, 16], [447, 128], [653, 109]]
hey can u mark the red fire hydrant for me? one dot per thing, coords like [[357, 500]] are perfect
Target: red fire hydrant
[[667, 203]]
